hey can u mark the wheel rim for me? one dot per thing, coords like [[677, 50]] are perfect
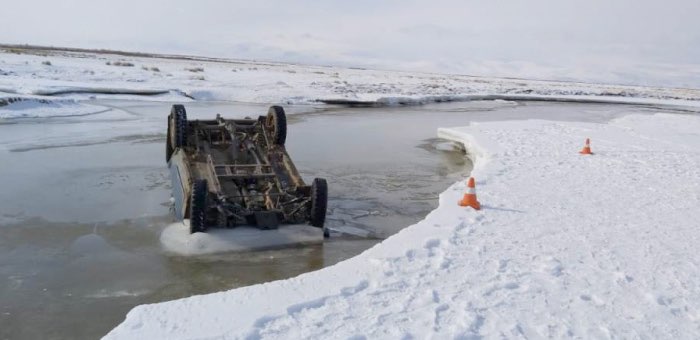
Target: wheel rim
[[173, 133], [271, 124]]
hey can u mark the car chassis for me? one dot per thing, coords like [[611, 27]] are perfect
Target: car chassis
[[231, 172]]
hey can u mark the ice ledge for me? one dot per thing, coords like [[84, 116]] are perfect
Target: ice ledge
[[177, 239]]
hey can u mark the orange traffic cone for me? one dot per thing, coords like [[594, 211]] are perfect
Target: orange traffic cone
[[586, 148], [469, 199]]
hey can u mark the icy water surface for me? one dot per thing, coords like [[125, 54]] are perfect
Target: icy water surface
[[84, 200]]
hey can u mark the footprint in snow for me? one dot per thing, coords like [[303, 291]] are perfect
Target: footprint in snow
[[411, 254], [432, 243], [502, 265], [552, 266], [592, 298]]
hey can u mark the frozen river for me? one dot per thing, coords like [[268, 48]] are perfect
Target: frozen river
[[84, 201]]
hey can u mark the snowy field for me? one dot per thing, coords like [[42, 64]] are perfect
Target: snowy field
[[617, 42], [37, 83], [601, 246]]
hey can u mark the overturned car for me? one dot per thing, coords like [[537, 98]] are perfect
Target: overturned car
[[230, 172]]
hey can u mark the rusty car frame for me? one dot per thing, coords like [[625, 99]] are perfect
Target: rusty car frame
[[232, 172]]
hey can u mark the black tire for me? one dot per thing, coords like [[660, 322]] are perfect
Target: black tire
[[198, 206], [168, 147], [178, 134], [319, 202], [277, 124]]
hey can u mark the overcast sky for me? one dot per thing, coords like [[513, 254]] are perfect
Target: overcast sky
[[620, 41]]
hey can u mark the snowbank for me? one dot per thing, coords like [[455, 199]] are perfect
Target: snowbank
[[565, 246], [35, 107], [86, 75]]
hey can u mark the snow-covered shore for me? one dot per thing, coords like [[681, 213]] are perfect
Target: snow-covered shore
[[601, 246], [565, 245], [54, 75]]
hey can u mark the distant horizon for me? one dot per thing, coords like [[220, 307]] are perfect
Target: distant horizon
[[205, 58], [641, 43]]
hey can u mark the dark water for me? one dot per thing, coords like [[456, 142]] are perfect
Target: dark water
[[86, 198]]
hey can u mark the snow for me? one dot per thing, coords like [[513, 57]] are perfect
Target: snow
[[565, 245], [176, 238], [623, 41], [73, 78], [35, 107]]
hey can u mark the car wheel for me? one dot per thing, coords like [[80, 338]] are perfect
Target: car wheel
[[277, 125], [319, 202], [178, 126], [198, 206]]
